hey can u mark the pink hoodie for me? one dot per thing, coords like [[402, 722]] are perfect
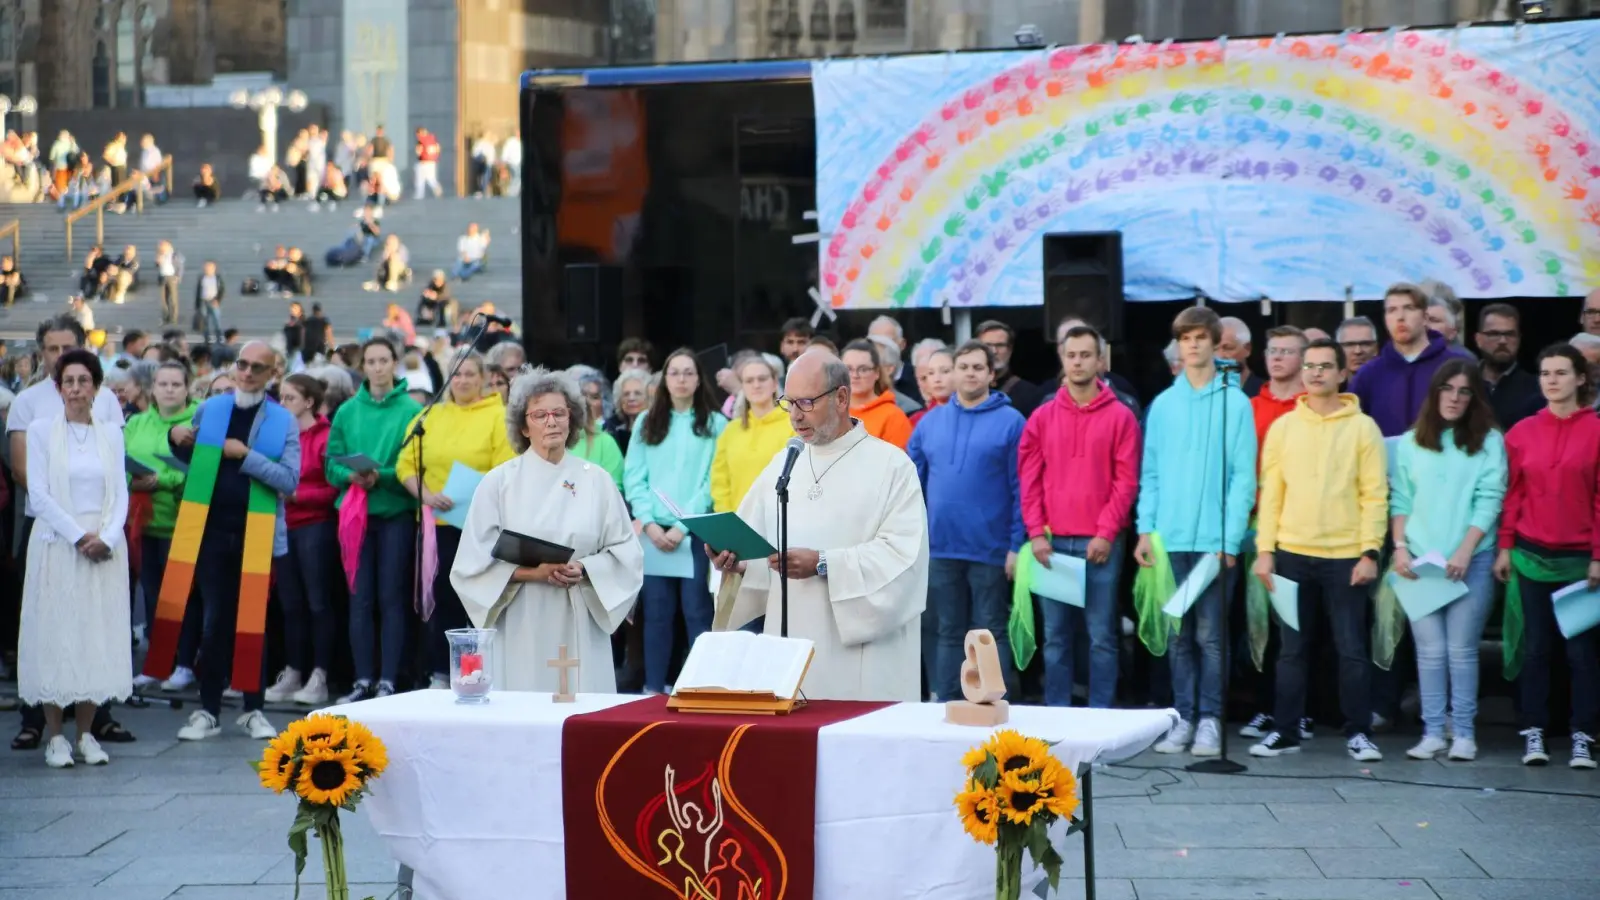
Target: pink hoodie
[[1079, 467]]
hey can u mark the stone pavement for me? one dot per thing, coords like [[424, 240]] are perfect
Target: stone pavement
[[169, 820]]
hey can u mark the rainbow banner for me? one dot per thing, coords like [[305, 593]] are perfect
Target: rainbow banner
[[1279, 168]]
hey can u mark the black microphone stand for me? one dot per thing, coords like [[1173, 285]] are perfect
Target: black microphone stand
[[783, 555], [419, 431], [1222, 765]]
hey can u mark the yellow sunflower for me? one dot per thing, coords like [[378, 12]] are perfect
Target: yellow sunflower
[[975, 758], [276, 768], [328, 777], [1017, 753], [1022, 796], [1060, 788], [979, 815], [369, 750], [319, 731]]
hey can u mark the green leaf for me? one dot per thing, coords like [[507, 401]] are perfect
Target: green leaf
[[303, 821], [1075, 826], [1038, 840], [988, 772], [1052, 867]]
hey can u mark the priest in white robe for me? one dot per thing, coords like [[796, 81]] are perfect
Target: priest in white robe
[[551, 494], [858, 547]]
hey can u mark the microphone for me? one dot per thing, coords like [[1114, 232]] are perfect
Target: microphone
[[791, 454], [1225, 363], [502, 321]]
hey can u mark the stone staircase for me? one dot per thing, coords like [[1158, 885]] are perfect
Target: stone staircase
[[240, 239]]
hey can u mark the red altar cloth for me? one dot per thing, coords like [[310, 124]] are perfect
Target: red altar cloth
[[662, 804]]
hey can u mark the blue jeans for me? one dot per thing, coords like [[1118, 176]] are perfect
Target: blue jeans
[[211, 320], [384, 589], [305, 594], [662, 598], [1062, 623], [1325, 590], [1447, 652], [964, 595], [464, 270], [1196, 657]]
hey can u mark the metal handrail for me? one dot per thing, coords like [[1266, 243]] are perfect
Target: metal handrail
[[13, 230], [98, 205]]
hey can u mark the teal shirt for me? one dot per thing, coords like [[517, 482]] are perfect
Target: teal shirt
[[679, 467], [1443, 494], [601, 449], [1181, 482]]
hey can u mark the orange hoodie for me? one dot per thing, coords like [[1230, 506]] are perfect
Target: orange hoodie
[[883, 419], [1268, 409]]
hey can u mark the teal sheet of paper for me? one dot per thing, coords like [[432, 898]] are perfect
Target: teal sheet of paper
[[1200, 577], [1063, 582], [1577, 608], [677, 564], [459, 487], [1428, 593], [1285, 596]]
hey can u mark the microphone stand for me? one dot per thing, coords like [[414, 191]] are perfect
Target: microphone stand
[[419, 431], [1222, 765], [783, 556]]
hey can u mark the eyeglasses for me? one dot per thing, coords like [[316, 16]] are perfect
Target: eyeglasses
[[539, 415], [634, 359], [1465, 393], [1319, 367], [863, 371], [804, 404], [1499, 335], [254, 368], [1591, 314]]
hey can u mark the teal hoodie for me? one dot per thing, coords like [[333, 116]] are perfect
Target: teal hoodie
[[376, 428], [1443, 494], [1180, 479], [679, 467]]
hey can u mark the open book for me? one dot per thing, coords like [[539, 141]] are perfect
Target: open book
[[742, 661]]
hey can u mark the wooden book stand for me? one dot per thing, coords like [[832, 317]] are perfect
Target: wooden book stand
[[737, 703]]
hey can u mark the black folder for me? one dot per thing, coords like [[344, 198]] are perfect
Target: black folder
[[522, 550]]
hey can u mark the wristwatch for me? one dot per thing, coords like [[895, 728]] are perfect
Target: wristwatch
[[1370, 554], [822, 565]]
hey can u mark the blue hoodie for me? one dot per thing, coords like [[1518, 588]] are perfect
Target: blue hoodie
[[1180, 480], [1392, 389], [967, 462]]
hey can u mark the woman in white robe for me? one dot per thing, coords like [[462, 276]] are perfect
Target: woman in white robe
[[551, 494], [73, 648]]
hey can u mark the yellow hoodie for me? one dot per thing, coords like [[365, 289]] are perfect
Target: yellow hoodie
[[742, 452], [1324, 483], [473, 435]]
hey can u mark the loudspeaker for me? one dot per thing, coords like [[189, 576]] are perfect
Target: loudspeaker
[[1083, 280], [592, 296]]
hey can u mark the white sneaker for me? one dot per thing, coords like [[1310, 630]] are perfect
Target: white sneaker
[[438, 683], [288, 683], [232, 693], [58, 753], [1427, 748], [182, 679], [1207, 738], [315, 693], [1464, 749], [1177, 739], [1362, 749], [142, 683], [201, 725], [89, 749], [255, 724]]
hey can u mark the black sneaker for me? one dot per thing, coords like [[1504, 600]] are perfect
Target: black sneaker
[[385, 689], [1275, 744], [1533, 752], [1259, 726], [362, 690], [1308, 729], [1582, 751]]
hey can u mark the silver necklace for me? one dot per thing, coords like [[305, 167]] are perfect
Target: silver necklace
[[72, 428], [815, 493]]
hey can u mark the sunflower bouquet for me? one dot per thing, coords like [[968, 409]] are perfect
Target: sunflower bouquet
[[329, 762], [1015, 789]]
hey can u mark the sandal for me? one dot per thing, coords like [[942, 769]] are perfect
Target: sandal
[[112, 732], [27, 739]]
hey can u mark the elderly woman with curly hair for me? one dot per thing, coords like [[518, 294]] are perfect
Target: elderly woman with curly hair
[[548, 493]]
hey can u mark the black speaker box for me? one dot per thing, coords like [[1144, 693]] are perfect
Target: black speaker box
[[1083, 280], [593, 303]]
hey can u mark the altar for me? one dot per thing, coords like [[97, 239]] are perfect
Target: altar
[[472, 800]]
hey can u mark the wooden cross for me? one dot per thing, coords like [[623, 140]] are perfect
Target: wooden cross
[[563, 664]]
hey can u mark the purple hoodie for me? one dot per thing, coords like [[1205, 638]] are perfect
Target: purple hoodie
[[1391, 389]]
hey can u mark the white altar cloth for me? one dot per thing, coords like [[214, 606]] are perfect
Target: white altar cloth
[[472, 798]]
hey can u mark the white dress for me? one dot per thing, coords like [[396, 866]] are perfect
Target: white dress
[[75, 640]]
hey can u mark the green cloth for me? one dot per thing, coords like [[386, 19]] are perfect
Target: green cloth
[[601, 449], [1152, 588], [1532, 566], [1257, 610], [1389, 620], [145, 437], [376, 428], [1024, 640]]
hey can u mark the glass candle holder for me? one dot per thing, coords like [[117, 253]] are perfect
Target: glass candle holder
[[471, 662]]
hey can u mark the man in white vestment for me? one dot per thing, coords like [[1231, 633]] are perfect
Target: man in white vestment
[[858, 547], [550, 494]]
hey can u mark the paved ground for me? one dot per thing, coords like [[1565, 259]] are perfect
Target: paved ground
[[166, 820]]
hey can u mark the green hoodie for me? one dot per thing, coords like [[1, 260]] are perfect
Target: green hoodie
[[146, 436], [376, 428]]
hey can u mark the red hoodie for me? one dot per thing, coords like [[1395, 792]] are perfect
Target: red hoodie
[[313, 499], [1079, 467], [1553, 499], [1268, 409]]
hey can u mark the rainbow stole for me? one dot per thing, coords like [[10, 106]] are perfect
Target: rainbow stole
[[261, 522]]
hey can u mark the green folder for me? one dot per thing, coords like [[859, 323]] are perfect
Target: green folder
[[726, 532]]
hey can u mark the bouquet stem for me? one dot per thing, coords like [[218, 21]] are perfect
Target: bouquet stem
[[333, 859], [1008, 871]]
